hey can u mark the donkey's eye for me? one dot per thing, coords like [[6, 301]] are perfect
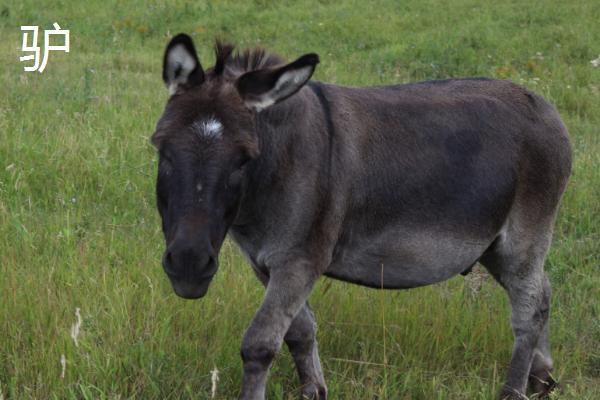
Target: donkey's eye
[[165, 156], [165, 167], [165, 153], [243, 162]]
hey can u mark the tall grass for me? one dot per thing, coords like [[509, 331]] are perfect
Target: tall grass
[[78, 228]]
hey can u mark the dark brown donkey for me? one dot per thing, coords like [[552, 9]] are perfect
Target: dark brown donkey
[[314, 179]]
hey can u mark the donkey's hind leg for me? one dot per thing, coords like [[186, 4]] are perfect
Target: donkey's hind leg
[[302, 343], [518, 264], [540, 376]]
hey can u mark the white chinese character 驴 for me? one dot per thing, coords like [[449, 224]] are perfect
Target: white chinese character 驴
[[48, 46]]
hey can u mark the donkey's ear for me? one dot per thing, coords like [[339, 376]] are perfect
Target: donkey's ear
[[181, 68], [264, 87]]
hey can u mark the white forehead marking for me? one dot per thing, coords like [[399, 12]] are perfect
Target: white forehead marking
[[209, 128]]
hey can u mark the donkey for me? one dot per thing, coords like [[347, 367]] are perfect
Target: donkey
[[389, 187]]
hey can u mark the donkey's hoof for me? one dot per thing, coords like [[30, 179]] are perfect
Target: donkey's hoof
[[313, 391], [509, 393], [541, 384]]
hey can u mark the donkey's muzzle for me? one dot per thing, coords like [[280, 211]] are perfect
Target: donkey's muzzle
[[190, 291], [189, 270]]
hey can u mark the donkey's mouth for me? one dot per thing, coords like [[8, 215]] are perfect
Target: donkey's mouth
[[188, 280], [191, 290]]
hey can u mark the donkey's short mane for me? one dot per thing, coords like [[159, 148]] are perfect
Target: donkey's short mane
[[244, 61]]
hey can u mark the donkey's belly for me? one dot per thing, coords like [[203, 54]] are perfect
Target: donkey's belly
[[394, 261]]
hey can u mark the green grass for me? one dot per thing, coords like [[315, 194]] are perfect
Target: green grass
[[78, 227]]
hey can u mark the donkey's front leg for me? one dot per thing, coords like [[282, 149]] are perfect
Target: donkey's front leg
[[287, 291], [301, 339]]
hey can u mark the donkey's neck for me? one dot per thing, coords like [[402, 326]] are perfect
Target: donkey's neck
[[294, 159], [281, 130]]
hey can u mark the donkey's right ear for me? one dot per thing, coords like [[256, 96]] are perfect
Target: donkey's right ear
[[262, 88], [181, 68]]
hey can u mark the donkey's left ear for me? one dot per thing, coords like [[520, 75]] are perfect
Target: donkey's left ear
[[264, 87], [181, 68]]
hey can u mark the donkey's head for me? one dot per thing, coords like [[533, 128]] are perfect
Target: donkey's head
[[205, 138]]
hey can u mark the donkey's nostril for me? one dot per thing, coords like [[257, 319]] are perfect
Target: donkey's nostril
[[210, 267], [168, 262]]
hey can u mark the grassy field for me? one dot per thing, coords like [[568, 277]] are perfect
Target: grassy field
[[79, 230]]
